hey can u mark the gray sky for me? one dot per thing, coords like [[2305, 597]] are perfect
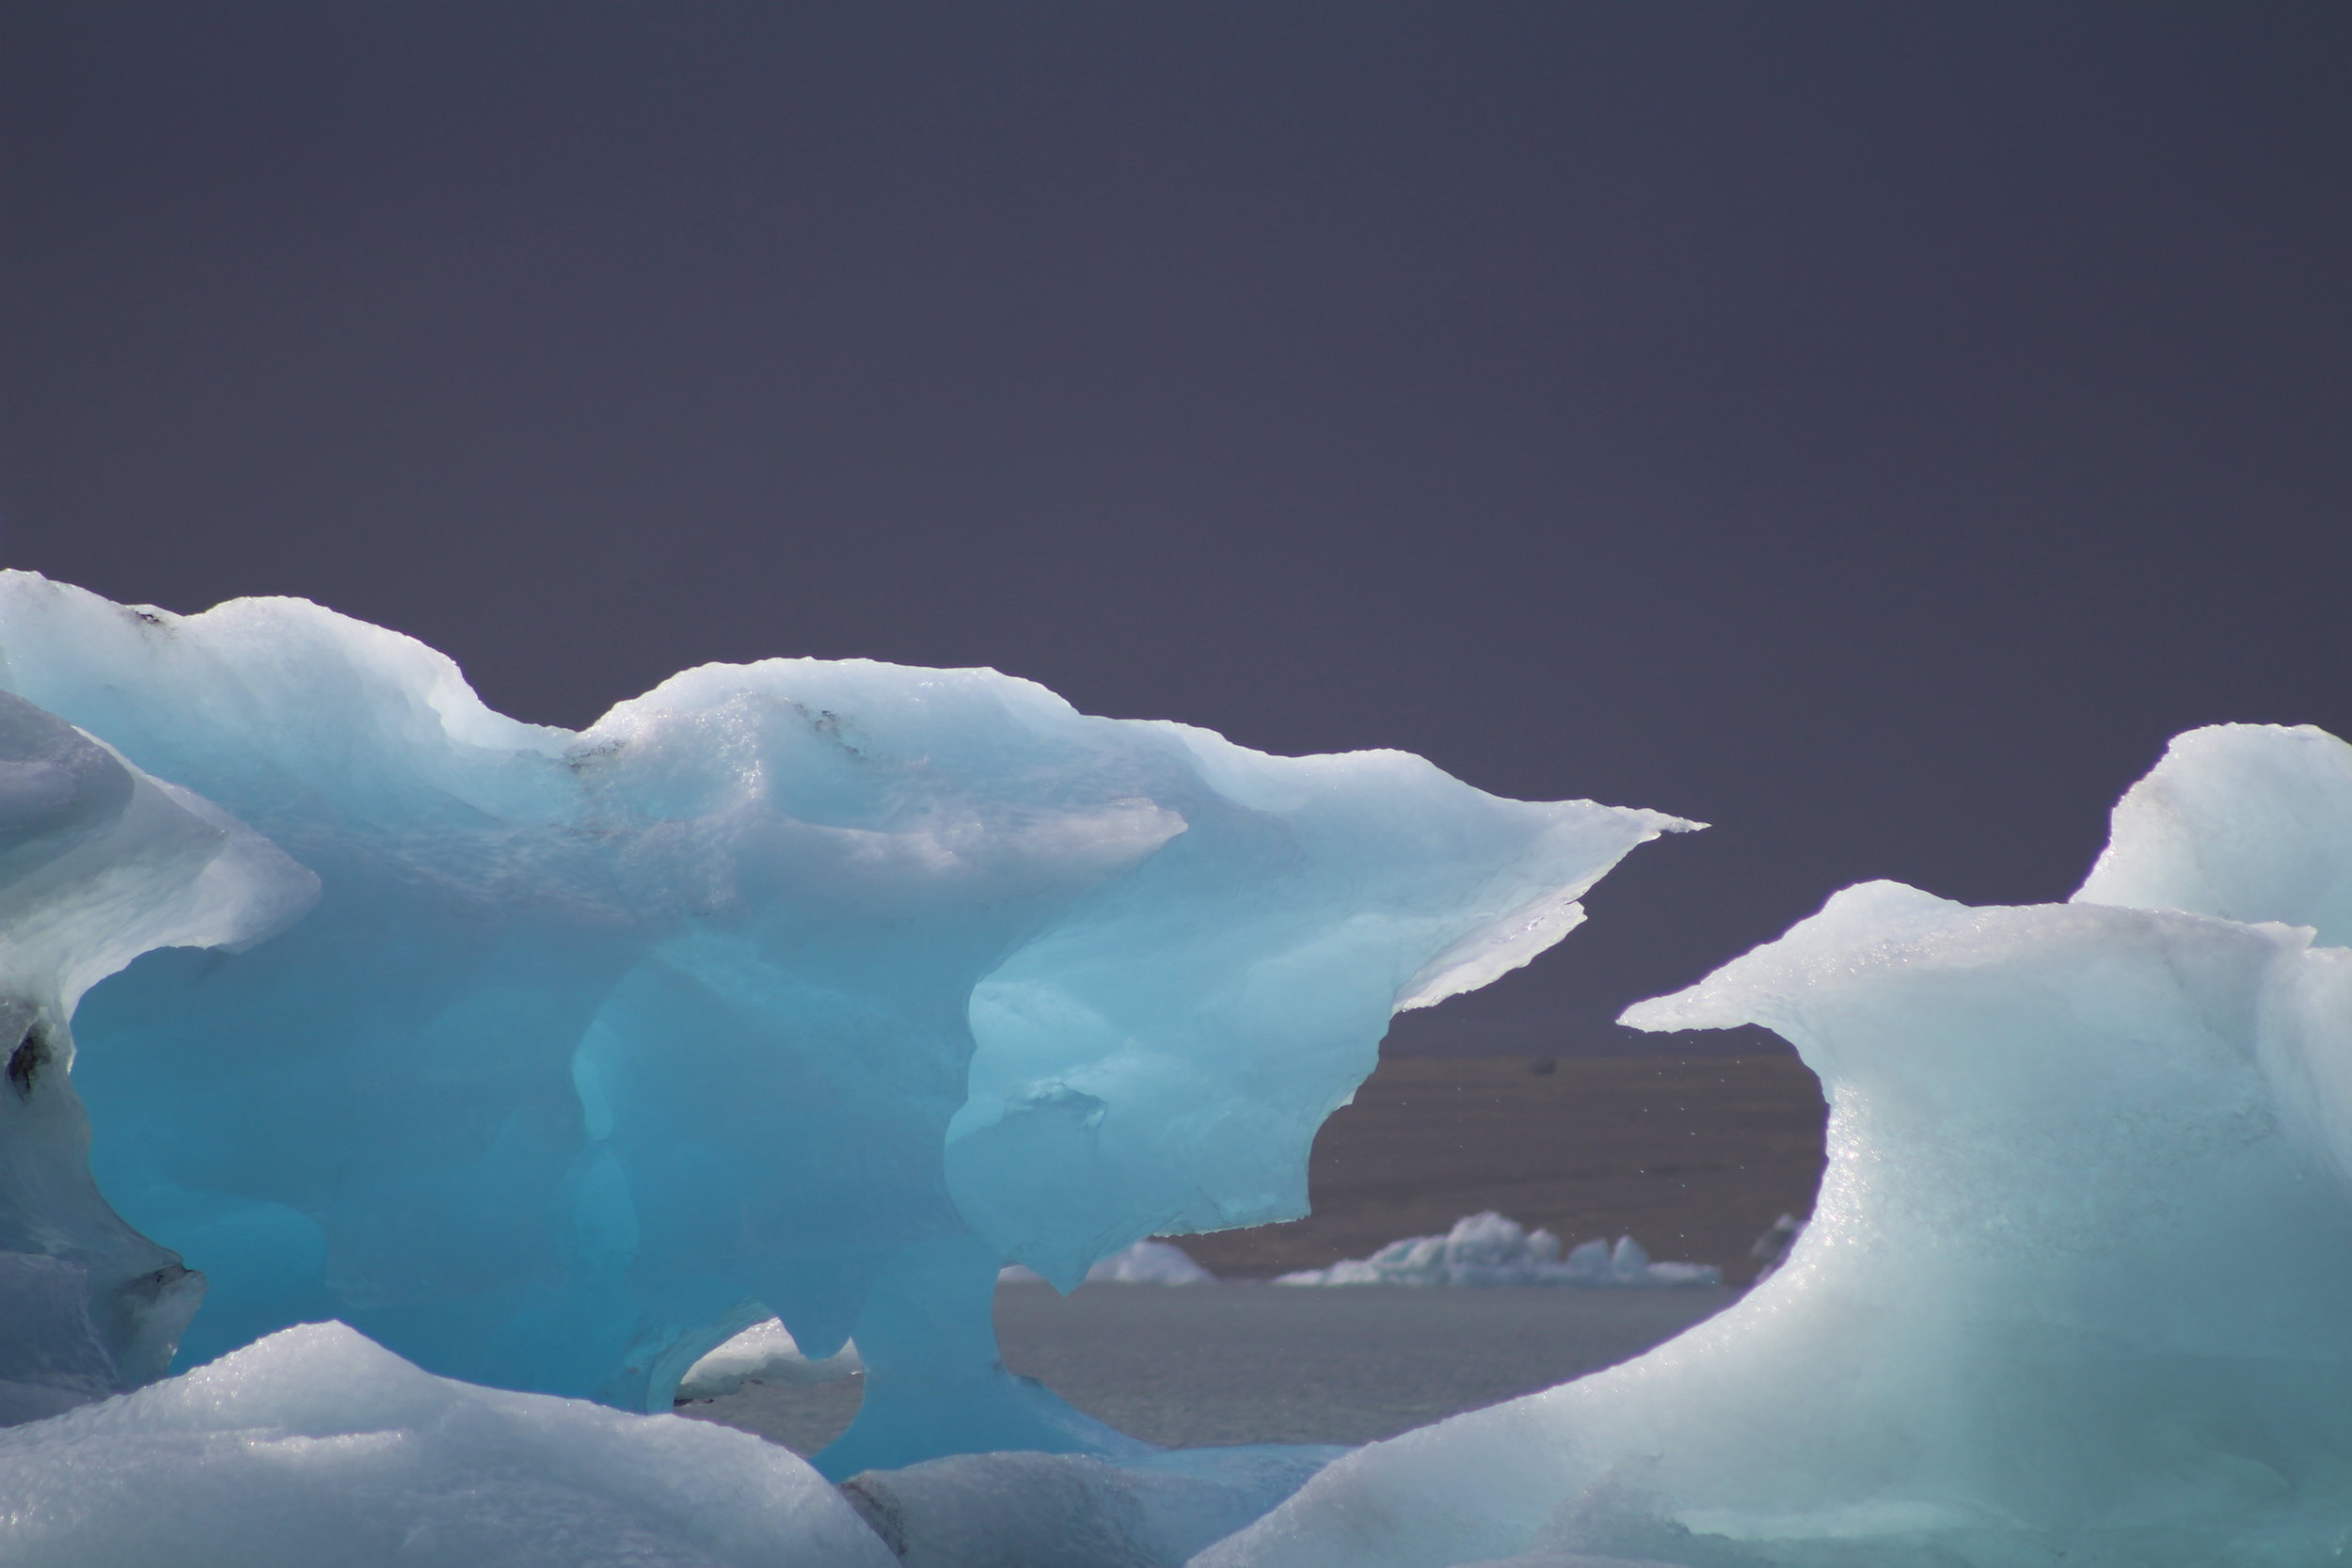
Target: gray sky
[[1873, 429]]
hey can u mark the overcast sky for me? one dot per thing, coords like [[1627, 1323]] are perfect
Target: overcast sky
[[1871, 428]]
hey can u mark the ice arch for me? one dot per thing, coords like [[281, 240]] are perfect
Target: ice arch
[[810, 988], [2074, 1290], [99, 863]]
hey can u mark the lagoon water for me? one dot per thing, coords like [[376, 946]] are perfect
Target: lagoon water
[[1247, 1362]]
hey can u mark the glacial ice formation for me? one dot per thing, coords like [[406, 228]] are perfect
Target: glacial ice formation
[[1490, 1250], [2073, 1295], [99, 863], [315, 1447], [805, 988]]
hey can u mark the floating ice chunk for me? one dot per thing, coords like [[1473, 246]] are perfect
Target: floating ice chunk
[[798, 988], [1144, 1263], [1985, 1346], [763, 1352], [1068, 1511], [316, 1446], [99, 863], [1489, 1249], [1151, 1264]]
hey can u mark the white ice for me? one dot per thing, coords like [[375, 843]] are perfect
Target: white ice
[[764, 1353], [1490, 1250], [2074, 1296], [315, 1447]]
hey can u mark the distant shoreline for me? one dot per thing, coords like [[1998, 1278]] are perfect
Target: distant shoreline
[[1693, 1156], [1443, 1032]]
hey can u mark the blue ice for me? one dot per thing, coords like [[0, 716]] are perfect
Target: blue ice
[[819, 990]]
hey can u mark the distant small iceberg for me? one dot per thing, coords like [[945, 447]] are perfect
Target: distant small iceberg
[[1144, 1263], [1490, 1250], [764, 1353]]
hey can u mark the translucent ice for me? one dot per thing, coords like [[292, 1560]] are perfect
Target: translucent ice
[[2245, 821], [98, 863], [315, 1447], [1490, 1250], [804, 989], [2073, 1296]]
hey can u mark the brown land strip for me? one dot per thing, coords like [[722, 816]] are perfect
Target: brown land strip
[[1692, 1156]]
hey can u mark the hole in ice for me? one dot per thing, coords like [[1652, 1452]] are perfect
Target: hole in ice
[[27, 1061]]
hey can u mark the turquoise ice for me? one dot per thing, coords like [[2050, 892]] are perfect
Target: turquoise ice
[[99, 863], [805, 988]]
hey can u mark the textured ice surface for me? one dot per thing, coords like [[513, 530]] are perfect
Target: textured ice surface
[[804, 989], [1144, 1263], [315, 1447], [1490, 1250], [1075, 1511], [98, 863], [763, 1352], [2073, 1295], [2244, 821]]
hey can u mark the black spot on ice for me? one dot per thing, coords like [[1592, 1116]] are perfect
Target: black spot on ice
[[27, 1061]]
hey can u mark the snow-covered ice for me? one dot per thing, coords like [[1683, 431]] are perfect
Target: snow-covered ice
[[1490, 1250], [315, 1447], [1146, 1262], [806, 989], [2073, 1293]]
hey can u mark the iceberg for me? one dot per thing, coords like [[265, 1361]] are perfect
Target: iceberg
[[2074, 1291], [1491, 1249], [1144, 1263], [99, 864], [764, 1353], [316, 1446], [806, 989]]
